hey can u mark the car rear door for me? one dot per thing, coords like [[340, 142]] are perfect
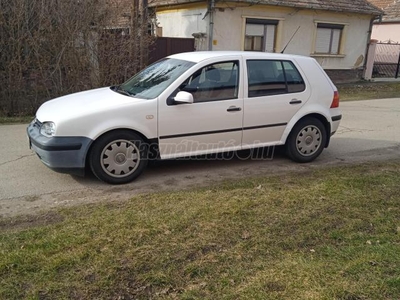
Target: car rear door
[[274, 91]]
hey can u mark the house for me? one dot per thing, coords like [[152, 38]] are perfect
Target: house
[[387, 29], [336, 33]]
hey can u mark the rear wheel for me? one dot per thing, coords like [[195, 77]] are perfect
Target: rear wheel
[[118, 157], [306, 140]]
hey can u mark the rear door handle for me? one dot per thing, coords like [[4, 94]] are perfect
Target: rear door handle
[[234, 108], [295, 101]]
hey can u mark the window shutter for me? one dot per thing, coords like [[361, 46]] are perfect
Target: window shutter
[[323, 40], [255, 29], [336, 33], [270, 38]]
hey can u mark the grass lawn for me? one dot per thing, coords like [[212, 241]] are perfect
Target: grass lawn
[[15, 120], [331, 233], [365, 90]]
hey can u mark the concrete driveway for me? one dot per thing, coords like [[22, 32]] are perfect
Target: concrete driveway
[[369, 131]]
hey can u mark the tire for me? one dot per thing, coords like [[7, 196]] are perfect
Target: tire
[[306, 140], [118, 157]]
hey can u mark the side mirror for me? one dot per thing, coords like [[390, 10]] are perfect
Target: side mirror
[[184, 97]]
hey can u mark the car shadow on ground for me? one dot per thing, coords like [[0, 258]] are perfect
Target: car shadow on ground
[[202, 163]]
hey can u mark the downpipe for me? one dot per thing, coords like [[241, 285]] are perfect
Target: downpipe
[[211, 25]]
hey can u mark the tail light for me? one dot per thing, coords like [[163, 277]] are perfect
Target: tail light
[[335, 101]]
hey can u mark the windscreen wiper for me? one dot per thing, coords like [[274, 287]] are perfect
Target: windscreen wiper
[[124, 92]]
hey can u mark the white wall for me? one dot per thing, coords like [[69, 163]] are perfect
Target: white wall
[[384, 32], [183, 23], [229, 25]]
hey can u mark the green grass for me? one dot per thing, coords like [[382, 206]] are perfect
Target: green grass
[[15, 120], [324, 234], [368, 90]]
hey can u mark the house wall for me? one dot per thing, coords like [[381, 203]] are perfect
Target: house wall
[[184, 22], [229, 31], [386, 31]]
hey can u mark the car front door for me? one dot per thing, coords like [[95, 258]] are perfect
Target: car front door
[[213, 122], [274, 92]]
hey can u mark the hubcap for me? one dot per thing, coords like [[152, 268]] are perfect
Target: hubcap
[[120, 158], [308, 140]]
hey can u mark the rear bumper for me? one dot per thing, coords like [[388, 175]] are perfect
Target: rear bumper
[[61, 154], [335, 123]]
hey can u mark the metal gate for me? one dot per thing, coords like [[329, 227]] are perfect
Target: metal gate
[[165, 46], [387, 61]]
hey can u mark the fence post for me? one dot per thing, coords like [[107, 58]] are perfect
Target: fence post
[[370, 60], [398, 67]]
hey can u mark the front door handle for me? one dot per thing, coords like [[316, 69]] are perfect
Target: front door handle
[[295, 101], [234, 108]]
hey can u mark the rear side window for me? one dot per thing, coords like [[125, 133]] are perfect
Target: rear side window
[[273, 77]]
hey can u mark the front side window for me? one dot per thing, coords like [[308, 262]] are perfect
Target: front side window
[[214, 82], [152, 81], [260, 35], [328, 38], [273, 77]]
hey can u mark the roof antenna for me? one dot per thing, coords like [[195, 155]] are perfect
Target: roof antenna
[[290, 40]]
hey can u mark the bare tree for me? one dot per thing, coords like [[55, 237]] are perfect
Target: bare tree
[[50, 48]]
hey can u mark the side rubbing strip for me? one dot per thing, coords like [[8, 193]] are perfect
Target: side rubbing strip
[[199, 133], [336, 118], [265, 126], [219, 131]]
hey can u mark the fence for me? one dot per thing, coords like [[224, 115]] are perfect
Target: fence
[[164, 46], [387, 61]]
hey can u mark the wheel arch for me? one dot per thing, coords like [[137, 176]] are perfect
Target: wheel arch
[[319, 117], [145, 139]]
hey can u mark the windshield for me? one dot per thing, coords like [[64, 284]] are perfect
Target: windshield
[[152, 81]]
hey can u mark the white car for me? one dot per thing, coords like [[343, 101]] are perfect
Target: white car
[[190, 104]]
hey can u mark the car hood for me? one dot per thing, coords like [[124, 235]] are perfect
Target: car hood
[[83, 103]]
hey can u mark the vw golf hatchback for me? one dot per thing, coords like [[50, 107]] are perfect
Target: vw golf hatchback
[[190, 104]]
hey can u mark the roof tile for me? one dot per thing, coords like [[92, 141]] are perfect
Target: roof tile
[[354, 6], [392, 12]]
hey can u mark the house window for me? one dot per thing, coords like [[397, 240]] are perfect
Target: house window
[[260, 35], [328, 38]]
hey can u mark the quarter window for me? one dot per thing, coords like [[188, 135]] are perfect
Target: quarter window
[[328, 38], [273, 77]]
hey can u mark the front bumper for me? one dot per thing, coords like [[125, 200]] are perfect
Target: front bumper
[[61, 154]]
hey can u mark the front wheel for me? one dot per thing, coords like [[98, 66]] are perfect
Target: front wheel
[[118, 157], [306, 140]]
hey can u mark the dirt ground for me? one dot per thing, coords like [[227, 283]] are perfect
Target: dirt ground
[[368, 133]]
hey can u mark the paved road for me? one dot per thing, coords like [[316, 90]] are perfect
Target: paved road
[[369, 131]]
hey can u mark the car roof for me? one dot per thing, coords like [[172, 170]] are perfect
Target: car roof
[[198, 56]]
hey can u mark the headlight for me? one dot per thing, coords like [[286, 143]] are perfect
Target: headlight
[[48, 129]]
